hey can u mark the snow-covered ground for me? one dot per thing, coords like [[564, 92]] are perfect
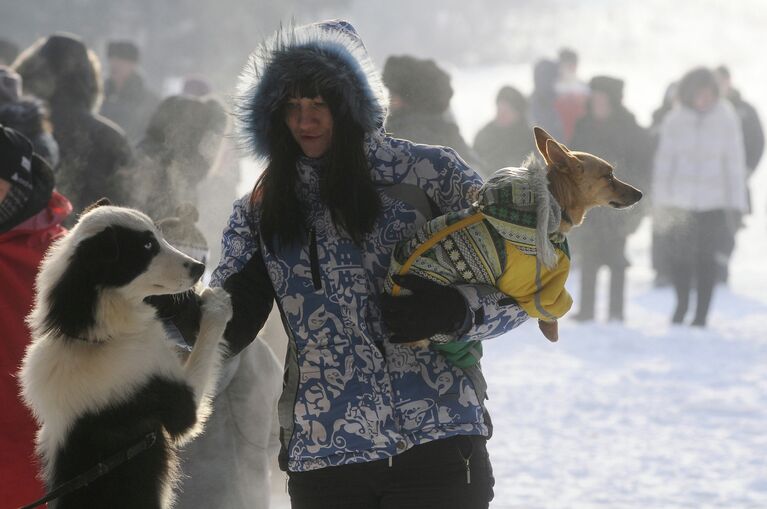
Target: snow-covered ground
[[639, 415]]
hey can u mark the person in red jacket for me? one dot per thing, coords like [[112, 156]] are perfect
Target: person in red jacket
[[31, 213]]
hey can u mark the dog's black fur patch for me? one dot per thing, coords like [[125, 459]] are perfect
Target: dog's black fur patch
[[164, 406], [111, 258]]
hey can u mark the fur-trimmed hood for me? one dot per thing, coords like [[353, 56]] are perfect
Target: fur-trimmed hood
[[61, 70], [333, 52]]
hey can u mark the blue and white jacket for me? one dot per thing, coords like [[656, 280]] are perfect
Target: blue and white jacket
[[349, 394]]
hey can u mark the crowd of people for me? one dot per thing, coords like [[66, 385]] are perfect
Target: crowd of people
[[70, 137]]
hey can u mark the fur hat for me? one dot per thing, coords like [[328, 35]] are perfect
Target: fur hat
[[124, 50], [182, 233], [611, 87], [330, 53], [420, 82]]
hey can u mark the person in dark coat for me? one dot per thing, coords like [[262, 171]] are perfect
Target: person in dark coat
[[128, 102], [27, 115], [753, 143], [420, 94], [507, 139], [610, 131], [177, 150], [31, 213], [753, 134], [543, 111], [61, 70]]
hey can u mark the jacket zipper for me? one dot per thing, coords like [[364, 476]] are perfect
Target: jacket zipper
[[314, 260]]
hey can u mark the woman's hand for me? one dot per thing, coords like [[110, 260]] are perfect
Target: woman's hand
[[430, 309]]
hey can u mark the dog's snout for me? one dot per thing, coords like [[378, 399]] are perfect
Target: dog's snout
[[195, 269]]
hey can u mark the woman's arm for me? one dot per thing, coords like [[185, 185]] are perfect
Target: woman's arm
[[243, 274], [490, 313]]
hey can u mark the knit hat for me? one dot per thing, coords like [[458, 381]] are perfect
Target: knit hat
[[124, 50], [10, 85], [421, 83], [180, 232], [612, 87], [30, 177]]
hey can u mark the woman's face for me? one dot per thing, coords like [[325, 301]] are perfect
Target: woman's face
[[506, 115], [601, 108], [704, 99], [311, 124]]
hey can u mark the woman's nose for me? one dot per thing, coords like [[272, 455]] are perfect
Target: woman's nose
[[305, 118]]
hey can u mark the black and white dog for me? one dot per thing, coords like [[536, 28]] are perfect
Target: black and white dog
[[100, 373]]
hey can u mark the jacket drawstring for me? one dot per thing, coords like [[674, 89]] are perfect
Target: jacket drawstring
[[314, 260]]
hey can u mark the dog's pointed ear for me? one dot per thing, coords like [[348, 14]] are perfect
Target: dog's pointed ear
[[98, 203], [561, 159], [541, 137]]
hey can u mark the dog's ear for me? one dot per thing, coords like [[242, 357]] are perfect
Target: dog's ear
[[98, 203], [561, 159], [552, 151], [541, 137]]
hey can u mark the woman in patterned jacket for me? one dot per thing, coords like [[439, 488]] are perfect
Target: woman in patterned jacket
[[364, 422]]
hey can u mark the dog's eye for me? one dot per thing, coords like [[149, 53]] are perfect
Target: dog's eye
[[149, 245]]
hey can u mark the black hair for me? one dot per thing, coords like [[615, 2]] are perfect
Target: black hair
[[346, 186], [693, 82], [568, 56]]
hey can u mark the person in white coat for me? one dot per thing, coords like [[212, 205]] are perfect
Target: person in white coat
[[699, 184]]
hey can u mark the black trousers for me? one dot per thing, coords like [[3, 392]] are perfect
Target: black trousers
[[590, 267], [432, 475], [699, 239]]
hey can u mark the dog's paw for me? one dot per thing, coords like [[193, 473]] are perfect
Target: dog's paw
[[549, 329], [216, 306]]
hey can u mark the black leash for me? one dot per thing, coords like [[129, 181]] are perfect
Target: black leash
[[99, 470]]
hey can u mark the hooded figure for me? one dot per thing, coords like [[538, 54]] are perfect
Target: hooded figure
[[62, 71], [699, 188], [506, 140], [127, 100], [177, 150], [316, 236], [27, 115], [610, 130], [421, 93], [30, 220]]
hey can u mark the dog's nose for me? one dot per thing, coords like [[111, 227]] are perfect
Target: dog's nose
[[196, 269]]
